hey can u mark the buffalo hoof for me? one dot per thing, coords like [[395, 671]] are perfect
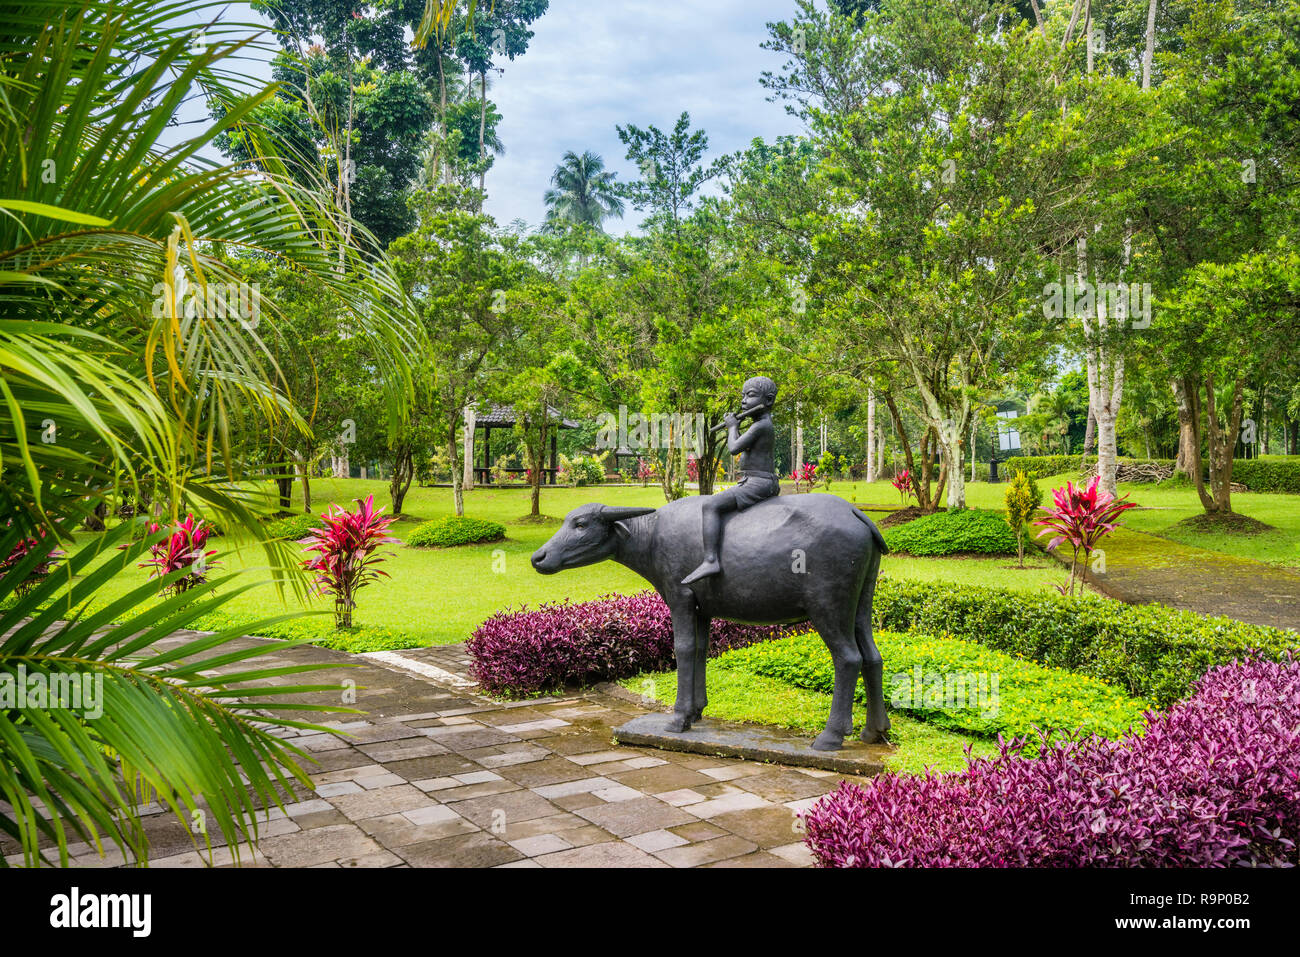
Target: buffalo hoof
[[828, 741], [678, 723], [874, 737], [697, 715]]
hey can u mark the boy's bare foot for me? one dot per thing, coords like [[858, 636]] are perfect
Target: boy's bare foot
[[704, 571]]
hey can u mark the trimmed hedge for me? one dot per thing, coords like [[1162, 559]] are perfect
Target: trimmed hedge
[[948, 533], [1151, 651], [1268, 475], [959, 685], [1258, 475], [455, 530], [294, 527], [1215, 782], [567, 644]]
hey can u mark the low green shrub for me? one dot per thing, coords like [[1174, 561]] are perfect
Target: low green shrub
[[949, 533], [1150, 651], [294, 527], [455, 530], [1268, 475], [959, 685]]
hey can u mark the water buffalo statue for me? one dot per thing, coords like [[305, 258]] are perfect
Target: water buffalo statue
[[795, 558]]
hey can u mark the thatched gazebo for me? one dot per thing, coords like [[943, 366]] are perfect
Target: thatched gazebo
[[503, 417]]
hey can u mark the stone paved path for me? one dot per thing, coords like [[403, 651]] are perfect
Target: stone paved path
[[435, 775], [1144, 569]]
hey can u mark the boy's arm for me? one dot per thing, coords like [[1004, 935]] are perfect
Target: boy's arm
[[738, 443]]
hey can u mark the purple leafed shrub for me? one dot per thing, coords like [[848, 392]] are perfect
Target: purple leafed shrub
[[1214, 782], [564, 644]]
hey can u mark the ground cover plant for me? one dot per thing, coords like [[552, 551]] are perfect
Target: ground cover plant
[[1213, 782]]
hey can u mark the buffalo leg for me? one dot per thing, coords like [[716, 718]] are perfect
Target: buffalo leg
[[876, 728], [836, 630], [685, 617], [700, 697]]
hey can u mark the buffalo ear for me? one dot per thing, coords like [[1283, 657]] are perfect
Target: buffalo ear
[[621, 531]]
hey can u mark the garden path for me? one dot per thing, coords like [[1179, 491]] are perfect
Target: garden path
[[1143, 568], [436, 775]]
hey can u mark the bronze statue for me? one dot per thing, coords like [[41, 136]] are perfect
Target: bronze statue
[[812, 557], [758, 481]]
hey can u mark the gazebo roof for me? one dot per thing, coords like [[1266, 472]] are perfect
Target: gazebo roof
[[503, 416]]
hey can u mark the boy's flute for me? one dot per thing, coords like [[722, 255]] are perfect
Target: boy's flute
[[740, 416]]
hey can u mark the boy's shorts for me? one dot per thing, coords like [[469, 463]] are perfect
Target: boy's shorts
[[753, 488]]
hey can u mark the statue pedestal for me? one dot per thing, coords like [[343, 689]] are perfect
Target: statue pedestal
[[754, 742]]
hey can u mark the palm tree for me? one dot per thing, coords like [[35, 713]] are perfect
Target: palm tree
[[119, 338], [582, 191]]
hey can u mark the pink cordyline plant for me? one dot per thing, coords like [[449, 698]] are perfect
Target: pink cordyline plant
[[1082, 516], [903, 482], [347, 553], [805, 475], [21, 551], [183, 548]]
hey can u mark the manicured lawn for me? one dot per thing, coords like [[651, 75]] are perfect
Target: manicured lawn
[[736, 695], [438, 596]]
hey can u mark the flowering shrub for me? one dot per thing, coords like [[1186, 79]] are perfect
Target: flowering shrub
[[183, 548], [39, 571], [1081, 517], [576, 643], [1214, 782], [804, 475], [903, 482], [347, 553]]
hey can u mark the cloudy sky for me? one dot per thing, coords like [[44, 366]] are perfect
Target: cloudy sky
[[593, 65]]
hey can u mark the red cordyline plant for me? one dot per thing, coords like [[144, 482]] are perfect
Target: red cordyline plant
[[39, 572], [347, 553], [1082, 516], [903, 482], [645, 471], [804, 475], [181, 549]]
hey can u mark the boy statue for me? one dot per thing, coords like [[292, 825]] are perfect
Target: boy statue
[[758, 475]]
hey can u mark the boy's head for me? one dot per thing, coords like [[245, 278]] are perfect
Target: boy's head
[[757, 393]]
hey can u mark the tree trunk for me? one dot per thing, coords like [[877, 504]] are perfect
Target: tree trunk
[[304, 476], [1187, 432], [1105, 363], [952, 438], [920, 483], [871, 435], [482, 136], [400, 481], [457, 495], [1150, 45], [468, 478], [284, 485]]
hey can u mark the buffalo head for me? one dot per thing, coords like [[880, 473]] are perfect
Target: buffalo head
[[587, 536]]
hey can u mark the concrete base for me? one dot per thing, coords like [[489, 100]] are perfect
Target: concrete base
[[754, 742]]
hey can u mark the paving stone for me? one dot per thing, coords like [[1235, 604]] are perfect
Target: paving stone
[[652, 841], [587, 785], [600, 757], [380, 781], [783, 785], [382, 859], [438, 766], [756, 859], [467, 791], [634, 817], [504, 809], [540, 844], [663, 777], [706, 852], [680, 798], [436, 784], [554, 770], [722, 805], [399, 750], [571, 802], [645, 762], [729, 772], [476, 777], [398, 830], [339, 787], [797, 854], [699, 831], [479, 849], [382, 801], [618, 793], [608, 854], [389, 731], [766, 827], [512, 758], [324, 844], [552, 824], [583, 836]]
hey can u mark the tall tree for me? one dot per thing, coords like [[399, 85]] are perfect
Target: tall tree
[[582, 191]]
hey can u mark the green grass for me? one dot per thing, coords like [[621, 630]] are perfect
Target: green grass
[[736, 695], [437, 596]]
